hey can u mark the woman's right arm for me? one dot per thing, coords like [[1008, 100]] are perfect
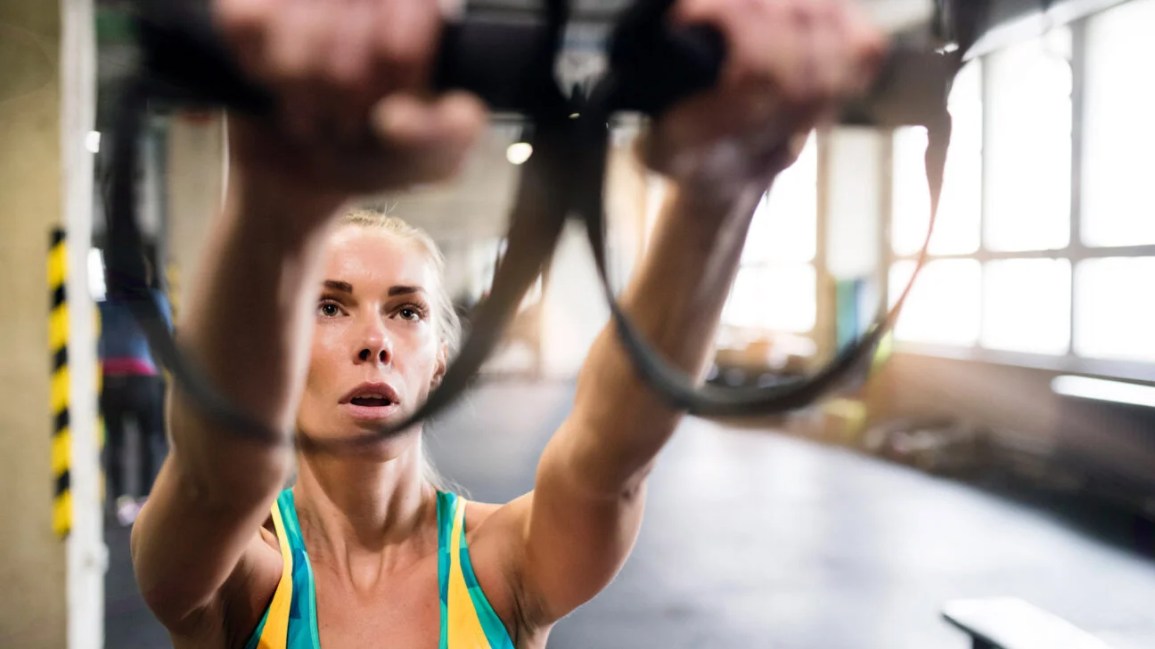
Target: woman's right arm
[[247, 329], [248, 321]]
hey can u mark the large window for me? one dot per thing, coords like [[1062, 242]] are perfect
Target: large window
[[1023, 261], [776, 288], [1115, 317], [1027, 305], [1118, 207], [944, 307], [1028, 145], [957, 227]]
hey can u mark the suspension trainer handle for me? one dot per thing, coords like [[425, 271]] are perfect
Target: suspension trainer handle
[[504, 61]]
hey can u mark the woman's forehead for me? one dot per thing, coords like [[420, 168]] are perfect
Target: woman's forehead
[[358, 254]]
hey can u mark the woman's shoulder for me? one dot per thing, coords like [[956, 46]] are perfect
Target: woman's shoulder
[[476, 513], [249, 589], [483, 515]]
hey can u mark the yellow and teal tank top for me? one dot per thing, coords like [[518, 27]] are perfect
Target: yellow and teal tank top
[[467, 619]]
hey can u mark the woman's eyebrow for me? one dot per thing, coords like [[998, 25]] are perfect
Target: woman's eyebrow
[[404, 290], [344, 287]]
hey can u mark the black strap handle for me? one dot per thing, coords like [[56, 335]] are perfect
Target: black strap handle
[[505, 61]]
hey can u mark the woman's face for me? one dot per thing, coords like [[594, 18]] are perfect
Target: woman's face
[[375, 353]]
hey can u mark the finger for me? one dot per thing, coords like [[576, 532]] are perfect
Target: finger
[[406, 37], [350, 55], [350, 68], [829, 55], [296, 37], [866, 46], [241, 18], [301, 34], [797, 65]]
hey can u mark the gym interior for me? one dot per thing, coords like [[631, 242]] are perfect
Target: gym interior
[[986, 480]]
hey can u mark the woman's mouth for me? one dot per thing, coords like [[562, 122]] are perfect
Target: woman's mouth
[[371, 402]]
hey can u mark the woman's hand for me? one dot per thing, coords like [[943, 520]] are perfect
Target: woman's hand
[[789, 64], [351, 76]]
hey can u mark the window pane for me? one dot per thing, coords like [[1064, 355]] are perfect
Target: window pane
[[944, 305], [785, 226], [779, 298], [1118, 206], [1114, 310], [1027, 305], [1028, 174], [957, 225]]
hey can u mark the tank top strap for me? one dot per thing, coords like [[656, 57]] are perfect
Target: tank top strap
[[290, 622], [467, 618]]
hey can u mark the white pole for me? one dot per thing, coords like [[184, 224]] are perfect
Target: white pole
[[87, 555]]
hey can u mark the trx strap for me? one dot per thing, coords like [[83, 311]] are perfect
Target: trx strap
[[511, 67]]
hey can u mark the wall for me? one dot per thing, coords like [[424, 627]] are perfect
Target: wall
[[194, 184], [32, 563]]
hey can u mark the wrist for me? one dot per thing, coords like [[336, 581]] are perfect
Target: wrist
[[276, 209], [269, 174], [715, 206]]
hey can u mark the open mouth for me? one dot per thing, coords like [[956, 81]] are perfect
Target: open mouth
[[372, 401]]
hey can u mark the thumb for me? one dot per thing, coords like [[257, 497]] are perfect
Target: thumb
[[429, 138]]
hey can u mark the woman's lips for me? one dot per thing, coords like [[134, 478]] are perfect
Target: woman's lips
[[369, 413], [371, 390]]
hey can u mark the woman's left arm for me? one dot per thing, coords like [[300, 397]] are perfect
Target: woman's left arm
[[790, 63]]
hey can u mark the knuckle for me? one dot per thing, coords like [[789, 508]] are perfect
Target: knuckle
[[401, 54], [242, 18]]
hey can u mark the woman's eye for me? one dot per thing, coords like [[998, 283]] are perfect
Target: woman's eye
[[411, 313], [328, 310]]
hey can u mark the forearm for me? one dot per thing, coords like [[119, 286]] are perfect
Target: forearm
[[675, 300], [247, 330]]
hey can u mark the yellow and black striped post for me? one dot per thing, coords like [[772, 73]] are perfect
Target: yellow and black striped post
[[58, 348]]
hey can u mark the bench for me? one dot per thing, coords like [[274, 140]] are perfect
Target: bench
[[1011, 623]]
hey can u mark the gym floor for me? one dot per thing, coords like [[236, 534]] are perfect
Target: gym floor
[[757, 539]]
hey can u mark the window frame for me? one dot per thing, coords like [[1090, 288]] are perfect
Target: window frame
[[817, 262], [1075, 251]]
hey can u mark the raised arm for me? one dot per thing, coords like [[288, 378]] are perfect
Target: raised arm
[[248, 321], [789, 63]]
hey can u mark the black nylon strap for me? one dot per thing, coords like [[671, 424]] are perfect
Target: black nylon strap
[[675, 386]]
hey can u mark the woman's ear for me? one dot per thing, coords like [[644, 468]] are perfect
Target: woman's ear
[[442, 364]]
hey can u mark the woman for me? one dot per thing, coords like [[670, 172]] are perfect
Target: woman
[[220, 550]]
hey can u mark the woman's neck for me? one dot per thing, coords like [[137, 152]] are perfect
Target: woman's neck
[[363, 515]]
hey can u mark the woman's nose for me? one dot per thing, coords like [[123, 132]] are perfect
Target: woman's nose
[[375, 346], [366, 354]]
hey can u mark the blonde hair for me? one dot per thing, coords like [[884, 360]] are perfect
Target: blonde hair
[[445, 318]]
